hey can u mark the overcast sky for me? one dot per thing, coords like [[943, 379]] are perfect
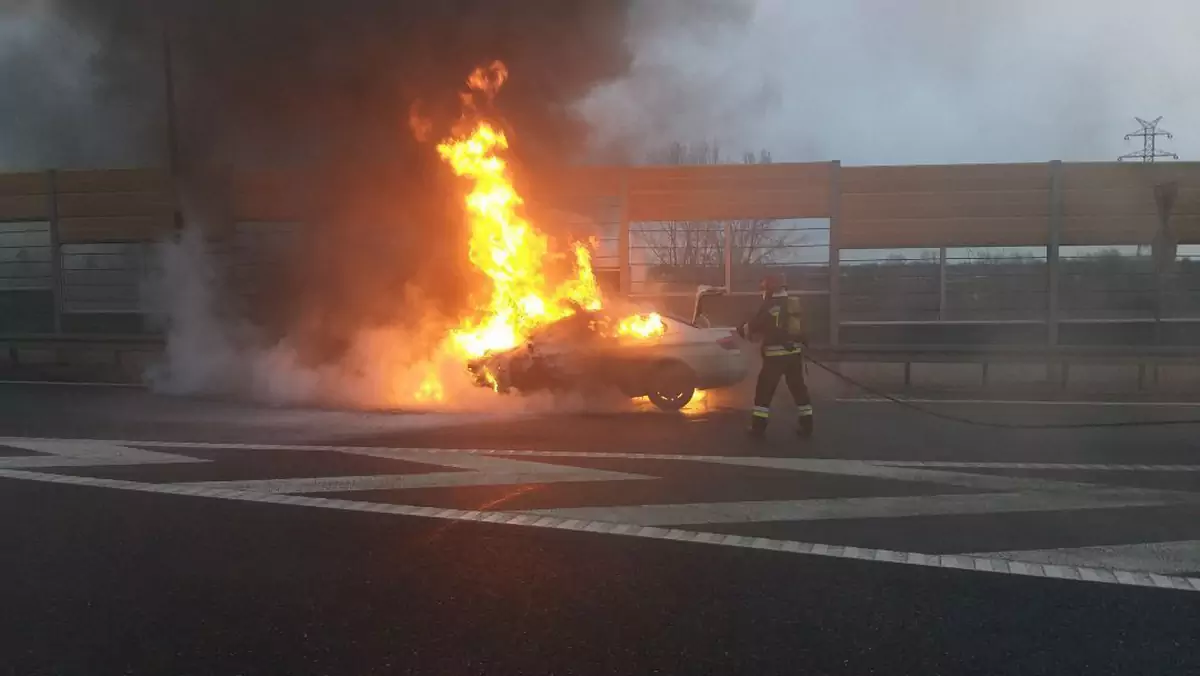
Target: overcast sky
[[863, 81], [917, 81]]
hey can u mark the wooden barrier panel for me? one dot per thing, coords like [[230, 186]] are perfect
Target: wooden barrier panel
[[120, 205], [71, 205], [1107, 175], [24, 208], [930, 206], [114, 180], [1187, 228], [729, 192], [945, 205], [969, 204], [23, 197], [747, 177], [726, 206], [1109, 203], [700, 193], [24, 184], [942, 178]]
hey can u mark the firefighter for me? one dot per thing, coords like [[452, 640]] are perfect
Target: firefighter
[[780, 324]]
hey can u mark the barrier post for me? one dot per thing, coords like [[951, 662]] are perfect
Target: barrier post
[[56, 269], [623, 262], [835, 254], [1052, 260]]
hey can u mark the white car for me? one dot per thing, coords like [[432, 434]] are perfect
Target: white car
[[572, 354]]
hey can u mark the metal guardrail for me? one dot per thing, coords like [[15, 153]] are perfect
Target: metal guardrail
[[1004, 353], [67, 357], [76, 340], [1058, 361]]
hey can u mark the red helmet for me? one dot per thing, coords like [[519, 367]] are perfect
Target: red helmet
[[772, 283]]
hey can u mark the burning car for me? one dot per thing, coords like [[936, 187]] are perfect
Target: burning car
[[663, 358]]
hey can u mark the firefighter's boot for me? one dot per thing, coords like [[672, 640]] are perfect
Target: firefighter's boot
[[758, 424], [804, 426]]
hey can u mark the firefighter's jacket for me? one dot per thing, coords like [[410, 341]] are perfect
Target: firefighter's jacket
[[780, 323]]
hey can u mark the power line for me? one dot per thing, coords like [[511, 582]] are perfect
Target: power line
[[1149, 133]]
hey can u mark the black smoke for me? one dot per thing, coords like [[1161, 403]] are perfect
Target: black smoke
[[326, 87], [271, 81]]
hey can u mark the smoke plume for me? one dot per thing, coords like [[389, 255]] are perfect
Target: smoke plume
[[911, 81], [327, 91]]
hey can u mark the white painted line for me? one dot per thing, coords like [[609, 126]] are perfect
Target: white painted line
[[498, 461], [964, 562], [384, 482], [1039, 465], [876, 470], [1167, 558], [474, 458], [1161, 581], [83, 453], [485, 466], [863, 508], [1021, 402]]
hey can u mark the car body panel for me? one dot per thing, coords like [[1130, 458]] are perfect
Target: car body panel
[[571, 354]]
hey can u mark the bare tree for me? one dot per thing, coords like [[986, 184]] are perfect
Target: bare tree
[[699, 246]]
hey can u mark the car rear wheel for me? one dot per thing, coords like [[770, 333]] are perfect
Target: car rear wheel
[[672, 387]]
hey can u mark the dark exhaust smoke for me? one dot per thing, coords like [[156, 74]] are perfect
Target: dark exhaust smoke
[[281, 81], [328, 87]]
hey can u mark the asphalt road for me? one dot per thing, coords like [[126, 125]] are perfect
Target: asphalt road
[[153, 535]]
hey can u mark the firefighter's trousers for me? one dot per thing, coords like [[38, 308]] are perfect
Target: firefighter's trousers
[[791, 368]]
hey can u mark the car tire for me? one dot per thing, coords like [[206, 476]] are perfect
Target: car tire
[[672, 386]]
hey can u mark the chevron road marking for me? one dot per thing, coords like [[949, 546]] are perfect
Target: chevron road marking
[[1020, 495]]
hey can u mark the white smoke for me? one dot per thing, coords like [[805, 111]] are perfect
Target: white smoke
[[211, 350], [912, 81]]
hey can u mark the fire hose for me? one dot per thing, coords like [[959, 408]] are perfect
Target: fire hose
[[988, 423]]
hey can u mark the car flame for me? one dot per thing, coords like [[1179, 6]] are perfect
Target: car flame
[[641, 326], [511, 252]]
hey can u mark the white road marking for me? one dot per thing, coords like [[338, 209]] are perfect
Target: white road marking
[[477, 470], [83, 453], [863, 468], [1042, 465], [1164, 558], [1022, 402], [380, 482], [964, 562], [488, 467], [497, 460], [862, 508], [472, 456]]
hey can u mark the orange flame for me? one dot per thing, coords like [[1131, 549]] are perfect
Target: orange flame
[[641, 326], [510, 251], [430, 389]]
